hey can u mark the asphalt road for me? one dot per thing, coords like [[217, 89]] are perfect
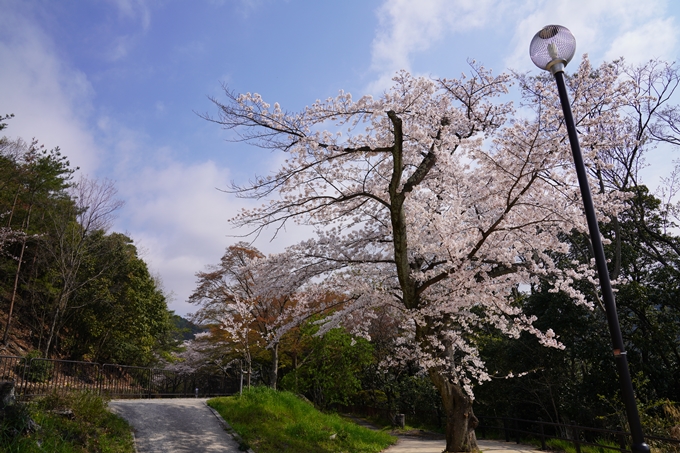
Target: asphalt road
[[181, 425], [187, 425], [418, 445]]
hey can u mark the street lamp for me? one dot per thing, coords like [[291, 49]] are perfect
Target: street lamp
[[552, 49]]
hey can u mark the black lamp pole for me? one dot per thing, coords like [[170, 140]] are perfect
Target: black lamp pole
[[554, 39]]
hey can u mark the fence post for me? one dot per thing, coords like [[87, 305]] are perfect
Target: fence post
[[99, 379], [576, 434], [482, 427], [240, 389], [621, 437], [505, 428], [540, 424], [23, 377]]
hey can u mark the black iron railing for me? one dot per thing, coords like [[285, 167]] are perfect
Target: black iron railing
[[515, 429], [36, 377]]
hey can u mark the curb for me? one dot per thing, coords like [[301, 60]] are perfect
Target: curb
[[227, 427], [134, 441]]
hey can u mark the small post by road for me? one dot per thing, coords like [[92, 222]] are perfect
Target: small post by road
[[240, 389]]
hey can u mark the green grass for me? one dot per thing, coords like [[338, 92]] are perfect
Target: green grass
[[386, 424], [557, 445], [568, 447], [269, 421], [91, 428]]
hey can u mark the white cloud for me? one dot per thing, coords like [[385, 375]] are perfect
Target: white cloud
[[177, 215], [134, 9], [601, 28], [657, 38], [407, 27], [174, 211], [51, 101], [606, 29], [120, 47]]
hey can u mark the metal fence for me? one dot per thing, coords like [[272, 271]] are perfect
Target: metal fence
[[433, 418], [604, 440], [37, 377]]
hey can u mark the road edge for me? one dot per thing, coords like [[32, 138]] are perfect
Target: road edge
[[227, 427]]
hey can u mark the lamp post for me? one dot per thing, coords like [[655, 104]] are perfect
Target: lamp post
[[551, 49]]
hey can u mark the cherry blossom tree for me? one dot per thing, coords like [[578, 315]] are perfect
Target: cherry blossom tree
[[249, 303], [436, 199], [194, 354]]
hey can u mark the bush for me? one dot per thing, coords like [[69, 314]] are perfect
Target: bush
[[39, 370], [14, 421], [330, 374], [70, 422]]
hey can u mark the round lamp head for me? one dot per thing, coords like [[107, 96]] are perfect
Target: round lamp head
[[552, 48]]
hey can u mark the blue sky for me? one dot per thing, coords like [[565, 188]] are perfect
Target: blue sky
[[117, 84]]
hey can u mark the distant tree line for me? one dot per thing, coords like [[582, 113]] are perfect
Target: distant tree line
[[80, 290]]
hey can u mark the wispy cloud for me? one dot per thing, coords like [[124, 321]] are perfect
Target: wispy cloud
[[51, 100], [657, 38], [178, 215], [134, 9], [174, 210], [137, 12], [243, 7], [605, 29], [406, 28]]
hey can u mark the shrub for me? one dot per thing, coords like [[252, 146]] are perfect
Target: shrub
[[39, 370]]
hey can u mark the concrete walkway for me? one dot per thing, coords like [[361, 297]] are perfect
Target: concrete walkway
[[408, 444], [181, 425], [424, 442]]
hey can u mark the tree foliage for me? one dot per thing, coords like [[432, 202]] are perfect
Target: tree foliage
[[251, 309], [580, 384], [82, 291], [329, 367], [441, 202]]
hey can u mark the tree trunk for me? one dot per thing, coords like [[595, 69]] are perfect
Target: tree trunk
[[51, 334], [25, 226], [14, 293], [460, 420], [274, 370]]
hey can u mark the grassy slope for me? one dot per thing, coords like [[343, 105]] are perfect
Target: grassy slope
[[271, 421], [91, 427]]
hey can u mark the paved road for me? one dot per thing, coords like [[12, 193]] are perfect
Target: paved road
[[182, 425], [187, 425], [420, 445], [434, 443]]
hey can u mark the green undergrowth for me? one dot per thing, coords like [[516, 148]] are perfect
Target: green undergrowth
[[71, 423], [556, 445], [568, 447], [414, 426], [269, 421]]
